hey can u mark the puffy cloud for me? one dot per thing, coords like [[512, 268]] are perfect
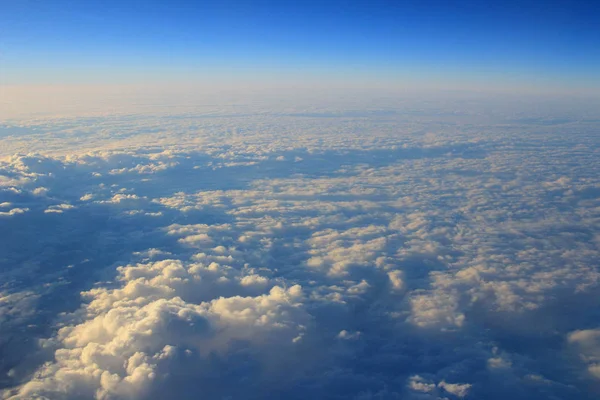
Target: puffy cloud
[[362, 255], [122, 349], [419, 384], [345, 335], [587, 342], [14, 211]]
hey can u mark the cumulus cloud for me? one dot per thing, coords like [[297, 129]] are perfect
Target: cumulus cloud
[[362, 255], [13, 211], [587, 342], [431, 390], [123, 348]]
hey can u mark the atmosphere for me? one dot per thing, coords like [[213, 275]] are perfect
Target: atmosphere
[[485, 45]]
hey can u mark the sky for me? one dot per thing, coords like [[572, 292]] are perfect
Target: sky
[[455, 44]]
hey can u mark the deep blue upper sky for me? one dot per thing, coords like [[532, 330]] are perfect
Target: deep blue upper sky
[[63, 41]]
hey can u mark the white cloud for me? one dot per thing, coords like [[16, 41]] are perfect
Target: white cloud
[[419, 384], [457, 389], [287, 255], [14, 211], [587, 342]]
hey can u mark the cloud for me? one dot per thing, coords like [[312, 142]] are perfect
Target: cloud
[[419, 384], [13, 211], [405, 254], [588, 343], [123, 347]]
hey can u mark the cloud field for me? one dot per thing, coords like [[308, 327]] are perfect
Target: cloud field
[[422, 249]]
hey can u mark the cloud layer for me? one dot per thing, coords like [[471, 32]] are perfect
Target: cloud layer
[[432, 254]]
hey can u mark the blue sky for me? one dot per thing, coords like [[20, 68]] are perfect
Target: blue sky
[[67, 41]]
